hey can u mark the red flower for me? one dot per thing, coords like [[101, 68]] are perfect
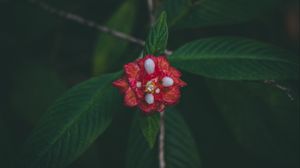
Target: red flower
[[150, 83]]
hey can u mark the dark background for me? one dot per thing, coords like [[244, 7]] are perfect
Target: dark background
[[235, 124]]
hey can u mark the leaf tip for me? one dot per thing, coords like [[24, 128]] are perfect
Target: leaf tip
[[162, 16]]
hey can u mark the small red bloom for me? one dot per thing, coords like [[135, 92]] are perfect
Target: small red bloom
[[150, 83]]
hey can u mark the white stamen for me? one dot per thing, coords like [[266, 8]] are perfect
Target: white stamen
[[149, 66], [149, 98], [138, 84], [167, 81], [157, 90]]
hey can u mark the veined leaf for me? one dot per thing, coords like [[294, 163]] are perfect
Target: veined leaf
[[108, 48], [235, 59], [157, 40], [72, 124], [180, 147], [199, 13], [150, 127]]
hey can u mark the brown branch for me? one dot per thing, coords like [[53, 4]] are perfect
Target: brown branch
[[150, 8], [161, 157], [286, 90], [168, 52], [92, 24], [89, 23]]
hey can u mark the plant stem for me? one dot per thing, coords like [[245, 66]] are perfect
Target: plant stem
[[286, 90], [162, 162], [89, 23], [150, 8]]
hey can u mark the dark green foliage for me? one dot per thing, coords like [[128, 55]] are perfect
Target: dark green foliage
[[150, 127], [262, 121], [108, 49], [180, 147], [199, 13], [157, 40], [139, 153], [236, 123], [72, 124], [235, 59]]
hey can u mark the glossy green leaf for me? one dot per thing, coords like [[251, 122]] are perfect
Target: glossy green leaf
[[157, 39], [235, 59], [180, 147], [199, 13], [150, 127], [72, 124], [109, 49]]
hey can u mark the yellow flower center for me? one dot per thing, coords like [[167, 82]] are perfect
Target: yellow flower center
[[150, 87]]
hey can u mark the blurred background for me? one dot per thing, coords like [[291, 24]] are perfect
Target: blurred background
[[235, 124]]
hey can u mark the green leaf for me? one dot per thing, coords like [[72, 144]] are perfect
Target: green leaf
[[157, 40], [109, 49], [150, 127], [72, 124], [199, 13], [235, 59], [180, 148], [262, 119]]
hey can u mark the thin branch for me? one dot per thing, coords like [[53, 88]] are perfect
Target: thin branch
[[168, 52], [161, 157], [286, 90], [89, 23], [151, 14]]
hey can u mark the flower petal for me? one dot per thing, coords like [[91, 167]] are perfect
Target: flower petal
[[132, 70], [130, 98], [121, 84], [147, 108], [165, 78], [171, 95], [179, 82], [174, 72], [162, 63]]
